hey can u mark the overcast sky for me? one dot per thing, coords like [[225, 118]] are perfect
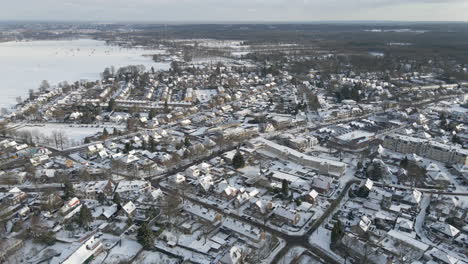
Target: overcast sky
[[234, 10]]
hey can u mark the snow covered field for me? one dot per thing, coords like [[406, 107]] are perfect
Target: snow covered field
[[23, 65], [74, 134]]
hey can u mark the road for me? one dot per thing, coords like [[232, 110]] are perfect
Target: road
[[291, 240]]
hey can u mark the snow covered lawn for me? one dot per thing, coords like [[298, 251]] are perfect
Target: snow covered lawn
[[74, 134]]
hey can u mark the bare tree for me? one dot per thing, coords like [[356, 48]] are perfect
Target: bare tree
[[44, 86], [59, 138]]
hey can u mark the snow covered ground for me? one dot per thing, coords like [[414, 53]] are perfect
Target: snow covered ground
[[23, 65], [75, 134], [150, 257]]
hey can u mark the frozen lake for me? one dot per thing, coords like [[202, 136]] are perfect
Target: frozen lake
[[23, 65]]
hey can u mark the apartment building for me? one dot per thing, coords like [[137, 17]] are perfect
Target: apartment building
[[426, 148]]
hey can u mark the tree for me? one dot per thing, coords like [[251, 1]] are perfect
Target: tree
[[152, 114], [362, 192], [111, 105], [129, 221], [238, 160], [44, 86], [105, 134], [152, 144], [187, 142], [116, 198], [285, 188], [47, 238], [456, 140], [85, 176], [166, 107], [101, 197], [404, 162], [375, 171], [145, 236], [31, 94], [337, 233], [128, 147], [359, 165], [69, 191], [84, 216], [171, 206]]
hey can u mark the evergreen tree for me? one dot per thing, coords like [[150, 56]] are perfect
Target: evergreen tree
[[145, 236], [285, 187], [362, 192], [111, 105], [68, 190], [238, 160], [166, 107], [84, 216], [404, 162], [128, 147], [116, 198], [115, 132], [359, 165], [101, 197], [187, 142], [47, 238], [152, 114], [152, 144], [337, 233], [129, 221], [105, 134]]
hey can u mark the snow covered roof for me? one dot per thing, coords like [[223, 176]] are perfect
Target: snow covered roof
[[365, 223], [285, 213], [129, 207], [442, 256], [369, 184], [206, 182], [445, 228], [109, 211], [432, 167], [414, 197], [313, 194], [15, 190], [84, 251], [408, 240]]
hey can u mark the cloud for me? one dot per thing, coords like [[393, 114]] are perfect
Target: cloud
[[236, 10]]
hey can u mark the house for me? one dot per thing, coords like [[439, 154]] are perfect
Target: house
[[12, 197], [128, 210], [192, 172], [312, 196], [69, 205], [439, 256], [444, 230], [322, 184], [260, 205], [288, 216], [90, 190], [106, 212], [206, 183], [362, 226], [224, 190], [129, 189], [398, 243], [92, 247]]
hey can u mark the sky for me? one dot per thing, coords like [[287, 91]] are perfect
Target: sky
[[235, 10]]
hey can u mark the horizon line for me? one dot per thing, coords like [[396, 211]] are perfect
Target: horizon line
[[226, 22]]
